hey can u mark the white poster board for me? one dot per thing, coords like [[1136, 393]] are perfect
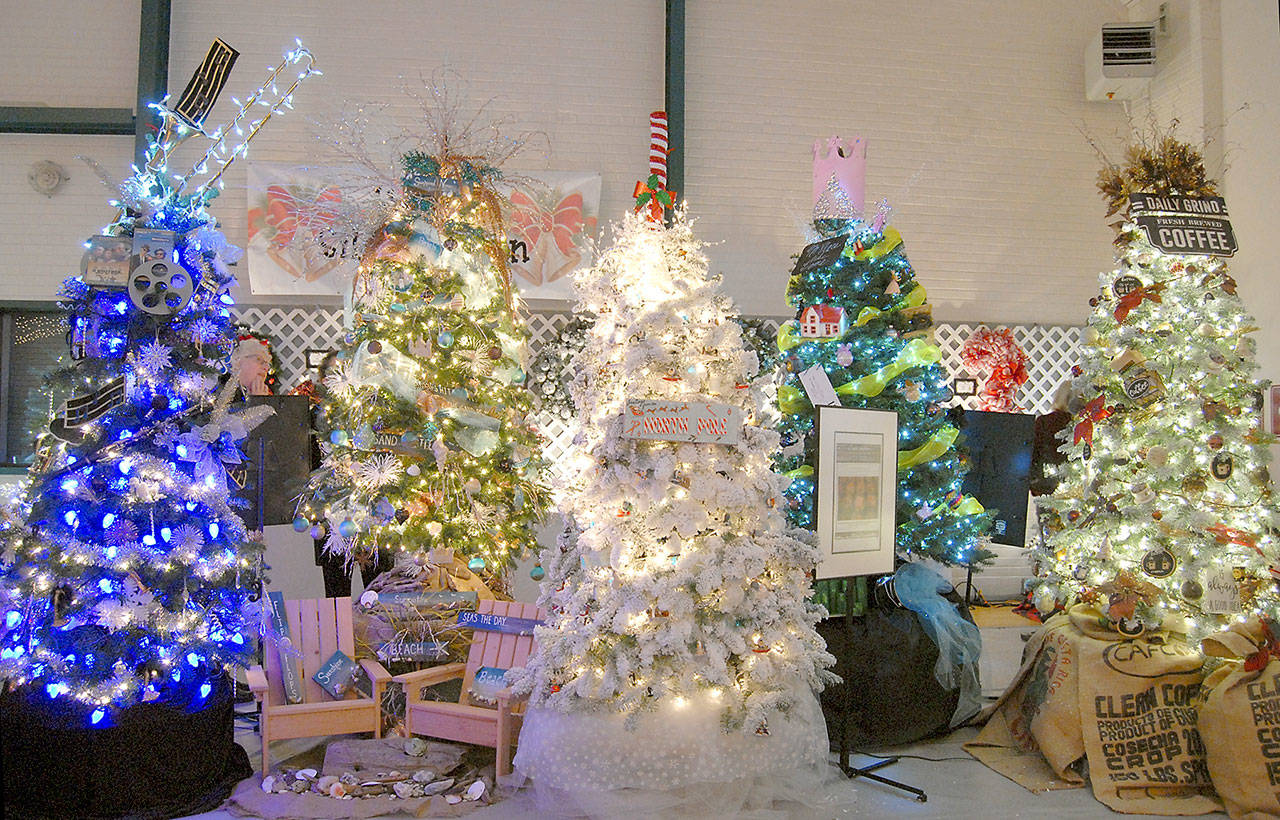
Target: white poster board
[[856, 482]]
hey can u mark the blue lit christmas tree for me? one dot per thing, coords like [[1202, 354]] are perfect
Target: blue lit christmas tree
[[862, 316], [125, 568]]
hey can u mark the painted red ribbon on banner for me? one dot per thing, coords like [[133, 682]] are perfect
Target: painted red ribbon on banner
[[563, 223]]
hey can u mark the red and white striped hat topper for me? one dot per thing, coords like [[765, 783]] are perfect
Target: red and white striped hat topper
[[658, 147]]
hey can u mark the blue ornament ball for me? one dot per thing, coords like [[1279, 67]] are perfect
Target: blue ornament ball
[[300, 524], [445, 338], [476, 564], [338, 436], [384, 509], [537, 573], [317, 531], [459, 393], [347, 528]]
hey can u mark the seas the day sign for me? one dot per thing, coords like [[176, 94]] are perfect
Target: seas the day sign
[[671, 420], [1185, 225]]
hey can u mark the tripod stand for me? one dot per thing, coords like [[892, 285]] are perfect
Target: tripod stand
[[868, 771]]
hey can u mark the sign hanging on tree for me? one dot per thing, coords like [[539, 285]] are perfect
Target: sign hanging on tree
[[207, 83], [1184, 224], [820, 255], [698, 422]]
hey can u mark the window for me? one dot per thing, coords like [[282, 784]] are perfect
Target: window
[[33, 344]]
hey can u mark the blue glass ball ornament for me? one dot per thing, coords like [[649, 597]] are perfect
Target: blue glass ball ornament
[[300, 524], [338, 437], [383, 508], [444, 338], [537, 573], [317, 531], [475, 564], [459, 393], [347, 528]]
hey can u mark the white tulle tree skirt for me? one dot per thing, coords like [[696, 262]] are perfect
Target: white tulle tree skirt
[[677, 761]]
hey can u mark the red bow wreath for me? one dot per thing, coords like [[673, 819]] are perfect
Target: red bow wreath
[[996, 352]]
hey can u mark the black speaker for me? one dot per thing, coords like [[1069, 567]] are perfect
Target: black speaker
[[277, 461]]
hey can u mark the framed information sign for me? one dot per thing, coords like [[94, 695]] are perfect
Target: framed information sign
[[856, 484]]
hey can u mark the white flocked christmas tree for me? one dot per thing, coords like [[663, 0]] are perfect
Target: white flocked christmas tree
[[678, 648]]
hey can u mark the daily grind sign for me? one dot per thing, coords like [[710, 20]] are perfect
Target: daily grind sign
[[698, 422], [1185, 225]]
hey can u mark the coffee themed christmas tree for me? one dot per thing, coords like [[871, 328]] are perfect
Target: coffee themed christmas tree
[[1165, 512]]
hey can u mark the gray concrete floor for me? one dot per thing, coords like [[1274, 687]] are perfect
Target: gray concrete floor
[[957, 786]]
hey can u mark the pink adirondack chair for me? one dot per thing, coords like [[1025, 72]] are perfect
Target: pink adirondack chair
[[318, 628], [467, 721]]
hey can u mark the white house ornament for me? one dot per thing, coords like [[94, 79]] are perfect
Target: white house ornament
[[822, 322]]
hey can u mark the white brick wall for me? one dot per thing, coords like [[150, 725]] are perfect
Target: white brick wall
[[973, 114], [81, 53], [585, 74], [43, 237]]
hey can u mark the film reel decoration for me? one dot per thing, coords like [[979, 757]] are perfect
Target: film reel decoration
[[160, 288]]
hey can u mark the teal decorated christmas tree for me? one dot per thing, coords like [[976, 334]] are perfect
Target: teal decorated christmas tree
[[864, 322], [426, 412], [1165, 514]]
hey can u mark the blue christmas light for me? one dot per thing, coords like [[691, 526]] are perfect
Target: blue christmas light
[[11, 618], [97, 716]]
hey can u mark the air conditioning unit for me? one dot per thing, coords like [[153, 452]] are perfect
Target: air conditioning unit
[[1120, 61]]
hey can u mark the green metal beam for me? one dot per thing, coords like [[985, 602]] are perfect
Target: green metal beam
[[15, 119], [153, 69], [675, 95]]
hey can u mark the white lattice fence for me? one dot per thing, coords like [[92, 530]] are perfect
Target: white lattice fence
[[294, 330], [1051, 350]]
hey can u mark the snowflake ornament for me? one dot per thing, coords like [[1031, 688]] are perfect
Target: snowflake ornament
[[378, 470], [151, 360]]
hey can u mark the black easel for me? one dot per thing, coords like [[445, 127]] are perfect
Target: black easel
[[853, 772]]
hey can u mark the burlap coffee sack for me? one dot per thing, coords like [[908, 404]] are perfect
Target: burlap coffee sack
[[1127, 706], [1240, 720]]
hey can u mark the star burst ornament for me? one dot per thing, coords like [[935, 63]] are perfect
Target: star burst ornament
[[378, 470]]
